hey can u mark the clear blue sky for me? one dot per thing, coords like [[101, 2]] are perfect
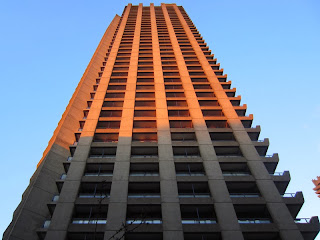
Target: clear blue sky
[[269, 49]]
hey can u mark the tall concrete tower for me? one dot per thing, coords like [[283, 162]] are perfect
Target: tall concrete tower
[[154, 144]]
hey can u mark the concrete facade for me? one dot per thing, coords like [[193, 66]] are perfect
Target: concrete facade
[[154, 144]]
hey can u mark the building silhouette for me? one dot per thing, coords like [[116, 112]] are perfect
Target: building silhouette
[[154, 144]]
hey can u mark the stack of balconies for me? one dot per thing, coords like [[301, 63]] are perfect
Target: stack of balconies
[[144, 206]]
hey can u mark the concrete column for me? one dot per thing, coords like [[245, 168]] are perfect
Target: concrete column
[[170, 207], [119, 189], [278, 210], [224, 210]]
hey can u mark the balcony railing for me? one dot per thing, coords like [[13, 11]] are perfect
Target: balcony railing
[[144, 156], [144, 221], [144, 174], [288, 195], [190, 174], [277, 174], [302, 220], [236, 174], [144, 195], [187, 156], [244, 195], [92, 195], [199, 221], [194, 195], [229, 156], [88, 221], [253, 220], [106, 174]]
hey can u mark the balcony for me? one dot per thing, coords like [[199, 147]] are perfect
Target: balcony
[[102, 152], [199, 80], [116, 87], [147, 216], [294, 202], [110, 114], [145, 104], [143, 137], [180, 124], [241, 191], [262, 146], [144, 190], [144, 113], [88, 218], [178, 113], [145, 124], [194, 192], [99, 190], [183, 137], [281, 181], [144, 152], [145, 87], [213, 113], [189, 169], [144, 172], [197, 218], [112, 104], [145, 95], [176, 103], [228, 151], [105, 137], [99, 170], [174, 95], [309, 227], [108, 125], [254, 218], [112, 95], [186, 152]]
